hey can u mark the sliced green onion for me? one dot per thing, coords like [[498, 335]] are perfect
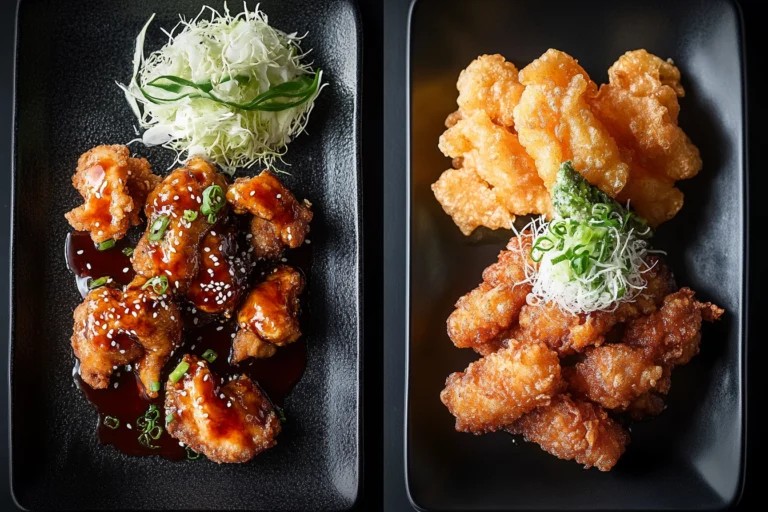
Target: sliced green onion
[[159, 284], [128, 251], [213, 200], [212, 218], [169, 418], [157, 228], [95, 283], [111, 422], [179, 372], [210, 355], [155, 386], [190, 215], [281, 414], [107, 244], [148, 427], [192, 454]]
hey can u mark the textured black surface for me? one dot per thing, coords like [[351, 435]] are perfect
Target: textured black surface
[[692, 456], [69, 54]]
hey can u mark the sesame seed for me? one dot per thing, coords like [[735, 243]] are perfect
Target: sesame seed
[[116, 383], [80, 251], [129, 426], [253, 193], [88, 266], [279, 196], [96, 224]]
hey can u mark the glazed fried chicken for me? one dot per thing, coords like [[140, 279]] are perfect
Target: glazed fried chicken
[[574, 430], [483, 315], [499, 388], [554, 123], [176, 252], [114, 187], [269, 317], [222, 274], [114, 328], [230, 422], [279, 219]]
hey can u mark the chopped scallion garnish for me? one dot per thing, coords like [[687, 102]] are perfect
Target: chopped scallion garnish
[[155, 386], [192, 454], [95, 283], [147, 425], [111, 422], [159, 284], [128, 251], [190, 215], [158, 227], [169, 418], [213, 201], [210, 355], [179, 372], [106, 244]]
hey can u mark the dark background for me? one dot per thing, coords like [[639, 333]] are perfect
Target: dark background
[[384, 91]]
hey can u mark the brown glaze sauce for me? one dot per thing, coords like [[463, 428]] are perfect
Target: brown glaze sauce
[[126, 402]]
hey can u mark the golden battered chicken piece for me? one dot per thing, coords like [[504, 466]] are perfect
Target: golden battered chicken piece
[[114, 187], [470, 201], [568, 334], [554, 123], [282, 220], [228, 423], [177, 252], [269, 318], [490, 84], [222, 274], [647, 405], [639, 108], [492, 308], [574, 430], [613, 375], [498, 158], [499, 388], [115, 328]]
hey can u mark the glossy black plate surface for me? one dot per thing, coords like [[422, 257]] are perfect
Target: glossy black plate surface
[[692, 456], [69, 53]]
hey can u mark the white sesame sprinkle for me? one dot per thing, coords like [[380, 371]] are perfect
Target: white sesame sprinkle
[[279, 196], [80, 251], [116, 383], [129, 426], [88, 266]]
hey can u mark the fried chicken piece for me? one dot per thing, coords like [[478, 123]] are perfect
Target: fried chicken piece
[[490, 84], [470, 201], [222, 274], [574, 430], [114, 187], [639, 107], [568, 334], [498, 158], [647, 405], [269, 318], [613, 375], [554, 123], [115, 328], [493, 307], [177, 253], [283, 221], [499, 388], [230, 422]]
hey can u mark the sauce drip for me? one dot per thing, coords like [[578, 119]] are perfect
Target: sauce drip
[[126, 402]]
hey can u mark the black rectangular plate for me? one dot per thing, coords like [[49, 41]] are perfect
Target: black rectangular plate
[[692, 456], [69, 53]]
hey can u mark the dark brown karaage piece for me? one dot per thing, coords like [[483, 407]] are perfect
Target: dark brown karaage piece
[[279, 219], [269, 318], [114, 187], [227, 422], [574, 430], [499, 388], [176, 225], [115, 328]]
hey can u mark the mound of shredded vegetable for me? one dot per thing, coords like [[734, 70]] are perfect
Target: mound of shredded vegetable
[[230, 88], [592, 255]]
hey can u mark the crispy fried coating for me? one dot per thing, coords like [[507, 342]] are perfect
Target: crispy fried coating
[[613, 375], [114, 328], [470, 201], [639, 107], [228, 423], [114, 188], [554, 123], [490, 84], [492, 308], [498, 158], [499, 388], [572, 429], [647, 405], [177, 253], [284, 221], [269, 317]]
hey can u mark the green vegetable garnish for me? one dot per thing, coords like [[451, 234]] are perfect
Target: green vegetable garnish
[[210, 356], [111, 422], [169, 418], [157, 228], [591, 256], [159, 284], [155, 386], [95, 283], [192, 454], [148, 427], [213, 201], [107, 244], [128, 251], [179, 372], [190, 215]]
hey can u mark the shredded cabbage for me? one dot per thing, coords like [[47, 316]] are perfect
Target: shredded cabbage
[[239, 57]]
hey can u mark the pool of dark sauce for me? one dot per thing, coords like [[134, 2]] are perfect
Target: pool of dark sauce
[[124, 399]]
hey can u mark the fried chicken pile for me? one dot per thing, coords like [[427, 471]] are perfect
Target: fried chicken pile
[[191, 256], [513, 129], [561, 379]]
